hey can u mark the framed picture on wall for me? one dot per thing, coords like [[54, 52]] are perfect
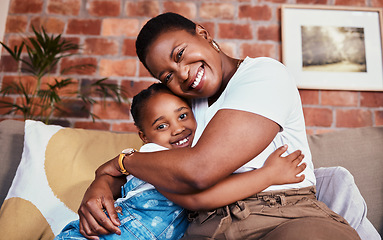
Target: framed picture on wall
[[326, 47]]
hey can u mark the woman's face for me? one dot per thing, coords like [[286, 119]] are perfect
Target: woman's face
[[186, 63]]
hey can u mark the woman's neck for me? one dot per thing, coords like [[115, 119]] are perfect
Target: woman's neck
[[229, 67]]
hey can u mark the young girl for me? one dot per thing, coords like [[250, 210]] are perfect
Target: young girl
[[166, 121], [245, 109]]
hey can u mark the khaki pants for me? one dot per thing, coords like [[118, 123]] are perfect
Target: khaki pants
[[289, 214]]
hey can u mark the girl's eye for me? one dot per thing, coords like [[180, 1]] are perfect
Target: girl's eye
[[182, 116], [161, 126]]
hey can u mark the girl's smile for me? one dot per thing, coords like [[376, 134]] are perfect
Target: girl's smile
[[168, 121]]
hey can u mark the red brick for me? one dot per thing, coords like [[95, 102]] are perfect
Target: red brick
[[3, 109], [112, 110], [352, 3], [14, 41], [92, 125], [339, 98], [84, 26], [64, 7], [228, 48], [276, 1], [257, 13], [378, 118], [321, 117], [110, 67], [143, 72], [100, 46], [16, 24], [209, 26], [51, 25], [235, 31], [353, 118], [29, 82], [186, 9], [258, 50], [271, 32], [120, 27], [323, 2], [376, 3], [309, 97], [72, 108], [132, 88], [129, 47], [8, 64], [142, 9], [67, 91], [22, 6], [110, 8], [371, 99], [86, 70], [217, 11], [124, 127]]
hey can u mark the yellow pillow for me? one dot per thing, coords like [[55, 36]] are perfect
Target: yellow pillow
[[56, 167]]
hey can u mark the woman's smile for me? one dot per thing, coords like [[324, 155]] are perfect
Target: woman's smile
[[197, 84], [194, 71]]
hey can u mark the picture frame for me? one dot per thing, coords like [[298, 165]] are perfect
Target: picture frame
[[333, 47]]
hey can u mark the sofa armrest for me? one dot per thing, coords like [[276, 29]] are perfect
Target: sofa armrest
[[11, 148], [359, 150]]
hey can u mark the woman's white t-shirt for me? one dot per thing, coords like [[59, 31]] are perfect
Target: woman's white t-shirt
[[264, 87]]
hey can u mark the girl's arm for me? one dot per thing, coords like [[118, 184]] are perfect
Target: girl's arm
[[277, 170]]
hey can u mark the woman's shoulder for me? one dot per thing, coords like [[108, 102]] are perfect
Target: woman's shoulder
[[262, 62]]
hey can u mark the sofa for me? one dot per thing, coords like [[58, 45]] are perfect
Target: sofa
[[41, 164]]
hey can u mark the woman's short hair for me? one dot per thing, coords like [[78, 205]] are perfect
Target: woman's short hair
[[154, 27]]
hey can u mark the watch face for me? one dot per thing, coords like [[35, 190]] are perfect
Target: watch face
[[129, 151]]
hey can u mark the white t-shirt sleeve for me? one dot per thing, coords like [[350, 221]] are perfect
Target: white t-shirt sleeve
[[263, 87]]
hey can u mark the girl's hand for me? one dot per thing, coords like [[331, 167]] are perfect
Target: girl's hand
[[97, 198], [284, 170]]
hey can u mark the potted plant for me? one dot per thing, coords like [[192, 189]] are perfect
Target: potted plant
[[42, 99]]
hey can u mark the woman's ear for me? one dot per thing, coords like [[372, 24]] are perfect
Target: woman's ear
[[200, 30], [142, 136]]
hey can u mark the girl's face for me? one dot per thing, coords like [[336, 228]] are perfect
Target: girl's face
[[168, 121], [186, 63]]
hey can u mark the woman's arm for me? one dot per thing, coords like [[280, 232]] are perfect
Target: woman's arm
[[277, 170], [100, 195], [231, 139]]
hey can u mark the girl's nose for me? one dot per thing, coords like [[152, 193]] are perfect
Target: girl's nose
[[177, 128]]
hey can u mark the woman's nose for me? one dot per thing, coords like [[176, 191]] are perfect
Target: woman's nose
[[183, 73]]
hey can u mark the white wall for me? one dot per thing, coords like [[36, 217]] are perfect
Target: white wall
[[4, 5]]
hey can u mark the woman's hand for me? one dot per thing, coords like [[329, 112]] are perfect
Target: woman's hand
[[111, 168], [97, 198], [284, 170]]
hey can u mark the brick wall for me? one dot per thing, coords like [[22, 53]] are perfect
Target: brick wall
[[106, 30]]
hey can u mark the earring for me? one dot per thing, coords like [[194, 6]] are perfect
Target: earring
[[215, 46]]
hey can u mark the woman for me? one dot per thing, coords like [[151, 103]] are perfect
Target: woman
[[244, 110]]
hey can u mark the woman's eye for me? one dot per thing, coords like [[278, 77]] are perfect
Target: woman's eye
[[179, 54], [167, 78]]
